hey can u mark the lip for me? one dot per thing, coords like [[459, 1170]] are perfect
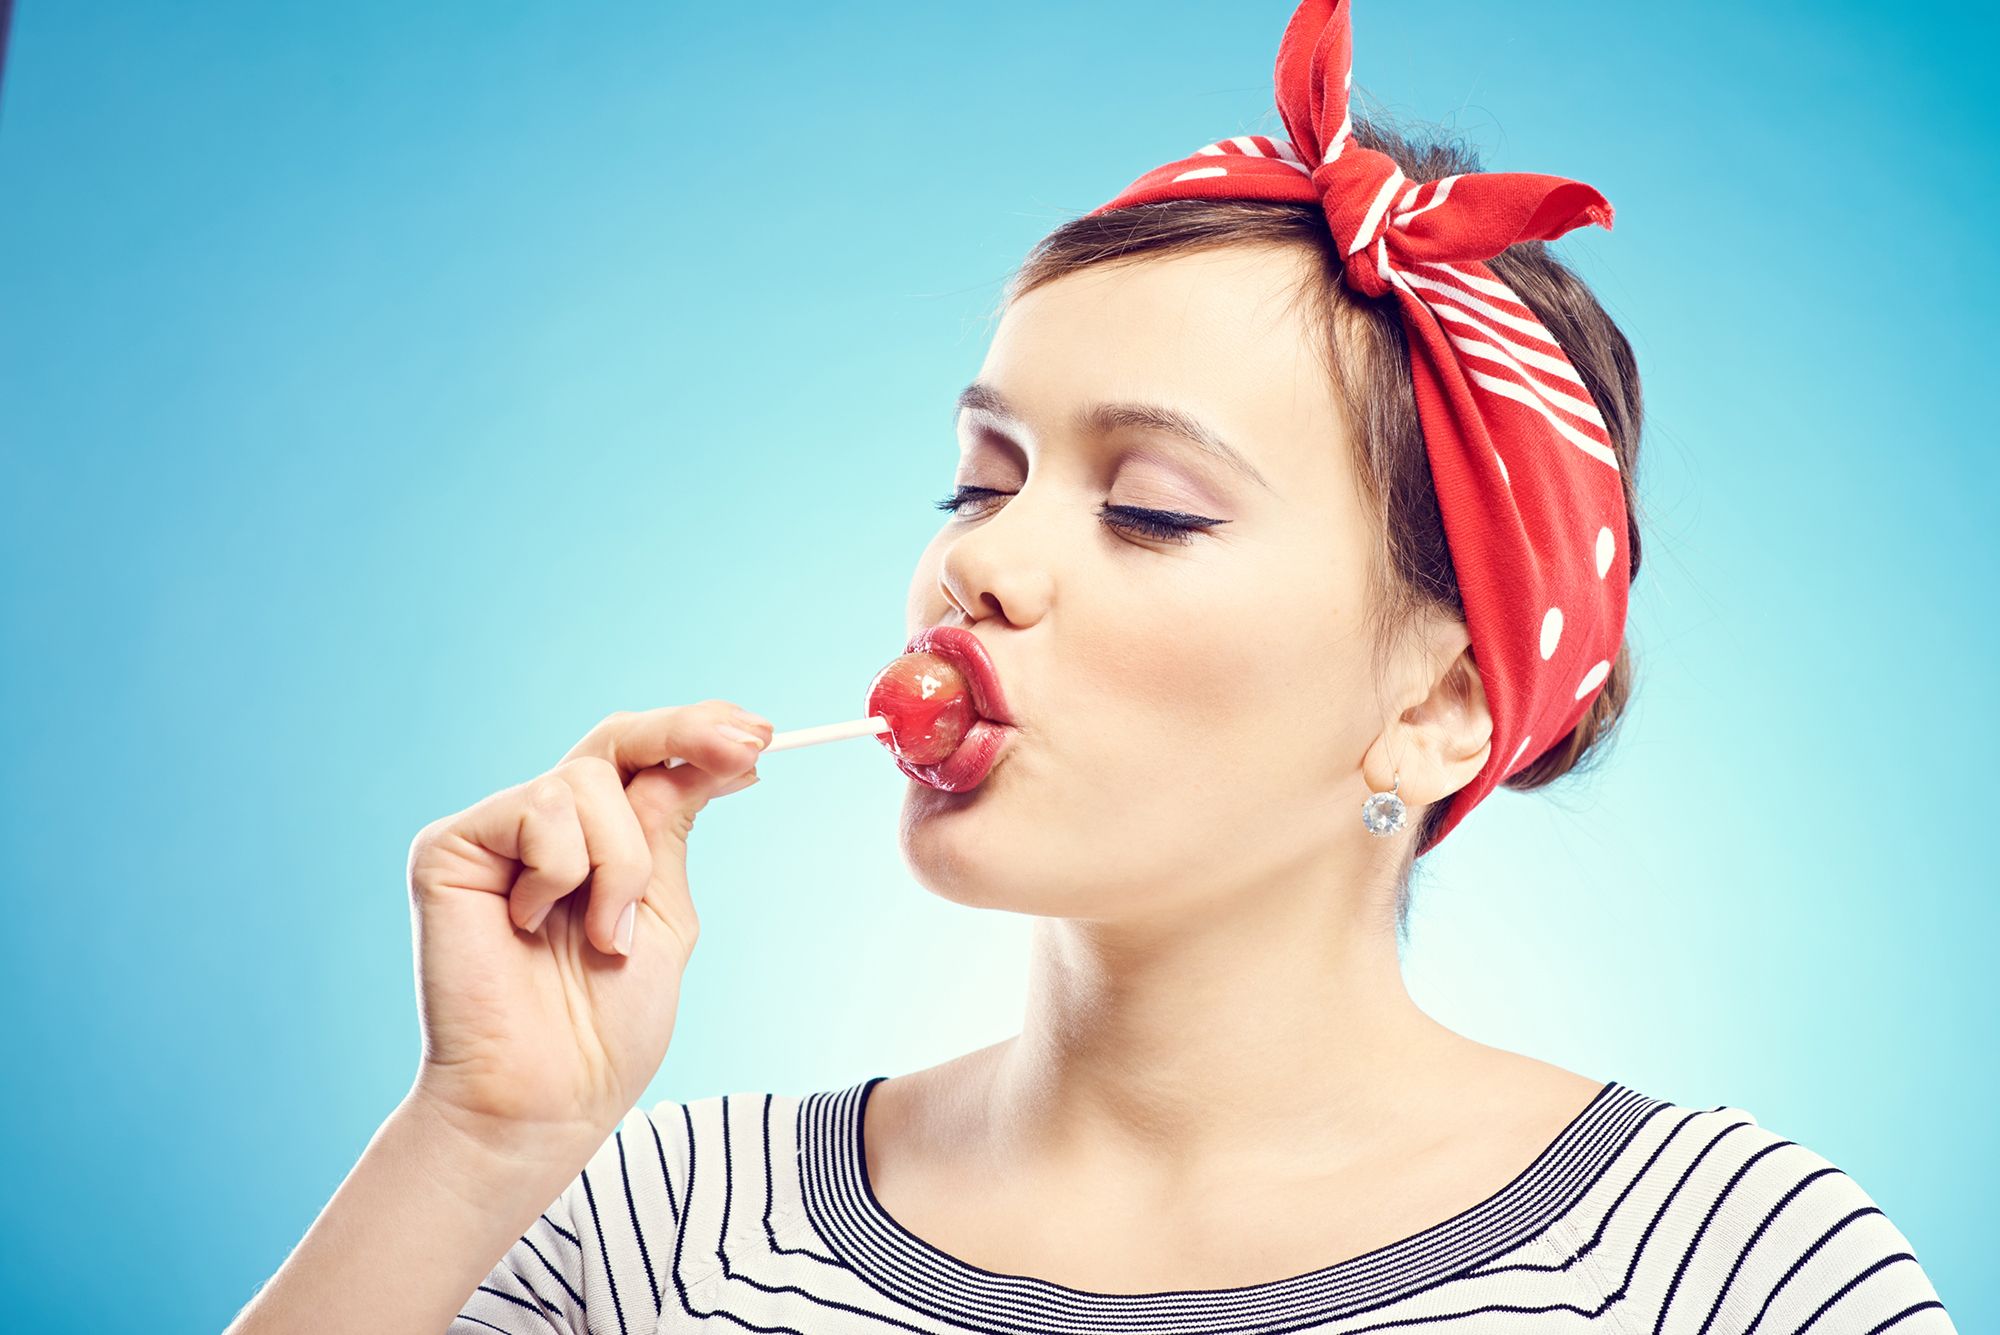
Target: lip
[[962, 649], [967, 767]]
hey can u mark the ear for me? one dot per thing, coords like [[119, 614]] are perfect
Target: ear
[[1441, 741]]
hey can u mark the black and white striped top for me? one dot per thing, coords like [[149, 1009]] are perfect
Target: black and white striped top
[[753, 1212]]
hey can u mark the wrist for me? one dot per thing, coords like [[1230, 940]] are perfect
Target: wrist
[[419, 1221], [474, 1157]]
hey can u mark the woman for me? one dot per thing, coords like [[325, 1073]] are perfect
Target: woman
[[1237, 530]]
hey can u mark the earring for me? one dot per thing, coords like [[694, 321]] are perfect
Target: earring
[[1382, 813]]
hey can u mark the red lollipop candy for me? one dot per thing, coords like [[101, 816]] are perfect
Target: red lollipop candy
[[938, 708], [927, 704]]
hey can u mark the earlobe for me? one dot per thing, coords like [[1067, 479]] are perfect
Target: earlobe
[[1384, 812]]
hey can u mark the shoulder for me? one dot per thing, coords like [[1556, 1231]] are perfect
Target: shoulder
[[712, 1136], [1764, 1229], [1760, 1176], [717, 1116]]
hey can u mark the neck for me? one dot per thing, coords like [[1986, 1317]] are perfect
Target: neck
[[1217, 1039]]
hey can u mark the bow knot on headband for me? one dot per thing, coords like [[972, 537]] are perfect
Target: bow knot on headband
[[1386, 224], [1528, 482]]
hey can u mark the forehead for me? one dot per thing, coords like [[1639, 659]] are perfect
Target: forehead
[[1224, 335]]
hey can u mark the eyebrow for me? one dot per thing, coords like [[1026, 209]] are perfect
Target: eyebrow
[[1106, 417]]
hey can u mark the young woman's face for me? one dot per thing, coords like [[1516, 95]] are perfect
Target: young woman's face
[[1192, 715]]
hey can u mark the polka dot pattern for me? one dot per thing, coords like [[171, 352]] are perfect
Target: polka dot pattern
[[1536, 555], [1593, 678]]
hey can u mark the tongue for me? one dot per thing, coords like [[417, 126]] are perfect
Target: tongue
[[927, 704]]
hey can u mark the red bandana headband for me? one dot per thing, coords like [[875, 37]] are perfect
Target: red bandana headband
[[1527, 481]]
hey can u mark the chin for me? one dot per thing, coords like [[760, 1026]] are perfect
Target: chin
[[954, 851]]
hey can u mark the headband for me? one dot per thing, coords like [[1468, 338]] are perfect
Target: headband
[[1527, 481]]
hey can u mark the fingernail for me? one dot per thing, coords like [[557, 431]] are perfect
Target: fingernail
[[750, 720], [736, 734], [739, 784], [626, 921], [535, 923]]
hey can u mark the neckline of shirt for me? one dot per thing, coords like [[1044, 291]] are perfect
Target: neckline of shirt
[[841, 1205]]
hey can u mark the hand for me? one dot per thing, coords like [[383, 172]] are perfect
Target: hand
[[538, 1026]]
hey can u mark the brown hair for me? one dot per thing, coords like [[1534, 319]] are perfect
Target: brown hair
[[1364, 350]]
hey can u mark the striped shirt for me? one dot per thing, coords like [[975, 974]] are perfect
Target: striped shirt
[[753, 1212]]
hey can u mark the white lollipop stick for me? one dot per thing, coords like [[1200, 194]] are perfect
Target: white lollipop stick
[[826, 732]]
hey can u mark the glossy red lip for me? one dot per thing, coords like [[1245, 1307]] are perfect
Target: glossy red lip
[[962, 649], [967, 767]]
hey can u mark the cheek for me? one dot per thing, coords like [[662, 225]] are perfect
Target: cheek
[[1227, 673], [925, 604], [1209, 647]]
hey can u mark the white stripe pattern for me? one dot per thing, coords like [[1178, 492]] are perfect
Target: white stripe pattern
[[1510, 378], [753, 1212], [1472, 308], [1581, 409], [1249, 146], [1512, 389], [1377, 210], [1440, 191], [1521, 318], [1541, 361], [1346, 129]]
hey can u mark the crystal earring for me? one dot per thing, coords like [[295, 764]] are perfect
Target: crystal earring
[[1383, 813]]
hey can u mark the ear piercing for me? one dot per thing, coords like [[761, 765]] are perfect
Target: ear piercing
[[1383, 813]]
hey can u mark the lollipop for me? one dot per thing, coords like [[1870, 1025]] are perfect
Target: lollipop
[[928, 705], [942, 728]]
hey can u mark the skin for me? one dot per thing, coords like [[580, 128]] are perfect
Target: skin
[[1199, 726], [1154, 1125], [542, 1020]]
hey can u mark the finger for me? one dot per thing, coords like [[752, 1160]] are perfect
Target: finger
[[620, 861], [739, 783], [635, 741], [550, 846], [666, 802]]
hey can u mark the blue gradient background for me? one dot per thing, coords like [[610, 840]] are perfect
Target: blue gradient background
[[390, 391]]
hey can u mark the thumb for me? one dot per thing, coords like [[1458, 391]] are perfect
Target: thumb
[[667, 799], [666, 802]]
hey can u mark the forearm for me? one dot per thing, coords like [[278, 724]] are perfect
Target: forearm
[[419, 1221]]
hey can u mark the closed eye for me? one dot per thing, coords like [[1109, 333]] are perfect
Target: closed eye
[[1162, 525]]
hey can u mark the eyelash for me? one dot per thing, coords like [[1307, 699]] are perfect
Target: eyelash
[[1161, 525]]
